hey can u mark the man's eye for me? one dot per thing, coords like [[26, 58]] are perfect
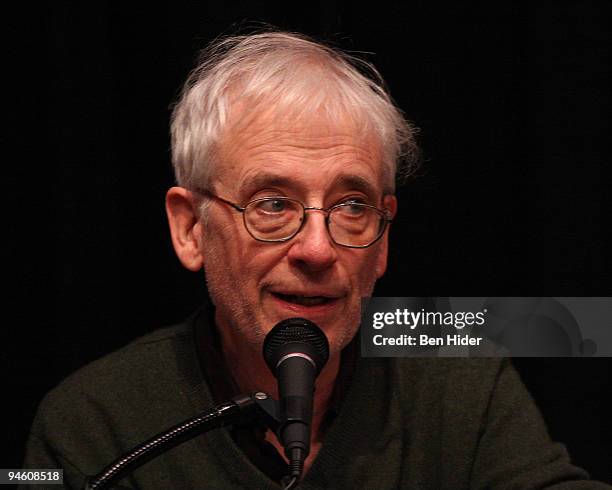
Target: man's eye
[[355, 208], [273, 206]]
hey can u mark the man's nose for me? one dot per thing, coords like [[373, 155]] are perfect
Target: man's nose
[[312, 247]]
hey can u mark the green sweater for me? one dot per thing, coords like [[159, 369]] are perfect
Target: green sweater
[[404, 423]]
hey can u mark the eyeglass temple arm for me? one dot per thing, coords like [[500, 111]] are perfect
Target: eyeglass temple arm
[[234, 205], [204, 192]]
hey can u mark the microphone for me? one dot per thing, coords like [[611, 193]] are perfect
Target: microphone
[[295, 350]]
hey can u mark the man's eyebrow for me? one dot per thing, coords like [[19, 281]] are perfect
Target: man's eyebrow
[[345, 181], [263, 179], [356, 182]]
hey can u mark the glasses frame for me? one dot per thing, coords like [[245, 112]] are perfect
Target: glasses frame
[[383, 213]]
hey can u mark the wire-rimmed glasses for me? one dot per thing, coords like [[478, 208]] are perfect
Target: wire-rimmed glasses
[[277, 219]]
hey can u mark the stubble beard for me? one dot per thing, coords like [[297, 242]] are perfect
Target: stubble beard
[[238, 317]]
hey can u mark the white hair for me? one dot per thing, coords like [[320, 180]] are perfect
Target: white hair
[[295, 76]]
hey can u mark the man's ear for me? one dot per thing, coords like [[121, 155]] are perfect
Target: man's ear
[[390, 204], [185, 227]]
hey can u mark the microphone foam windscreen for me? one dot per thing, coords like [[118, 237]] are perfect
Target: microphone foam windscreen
[[292, 332]]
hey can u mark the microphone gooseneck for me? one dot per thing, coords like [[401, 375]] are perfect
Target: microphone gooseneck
[[295, 350]]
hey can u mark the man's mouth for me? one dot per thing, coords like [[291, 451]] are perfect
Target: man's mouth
[[304, 300]]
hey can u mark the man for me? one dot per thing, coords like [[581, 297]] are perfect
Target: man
[[285, 155]]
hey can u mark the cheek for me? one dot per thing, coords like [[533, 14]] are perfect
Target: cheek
[[223, 242], [259, 258], [368, 272], [360, 273], [243, 262], [218, 245]]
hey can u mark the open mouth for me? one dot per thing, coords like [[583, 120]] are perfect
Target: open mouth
[[304, 300]]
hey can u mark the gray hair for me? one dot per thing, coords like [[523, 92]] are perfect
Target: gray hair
[[294, 75]]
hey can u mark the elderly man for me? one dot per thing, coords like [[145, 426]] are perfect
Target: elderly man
[[286, 154]]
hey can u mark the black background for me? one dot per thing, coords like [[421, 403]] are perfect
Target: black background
[[513, 102]]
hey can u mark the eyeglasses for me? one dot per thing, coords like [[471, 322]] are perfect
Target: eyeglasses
[[278, 219]]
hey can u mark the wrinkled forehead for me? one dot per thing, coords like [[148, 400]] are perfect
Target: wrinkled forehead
[[269, 134]]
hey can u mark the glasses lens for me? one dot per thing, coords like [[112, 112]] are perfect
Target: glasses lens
[[355, 224], [274, 218]]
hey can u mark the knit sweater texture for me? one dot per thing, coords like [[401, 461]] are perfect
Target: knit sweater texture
[[404, 424]]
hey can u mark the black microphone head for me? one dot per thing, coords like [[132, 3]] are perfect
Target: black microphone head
[[296, 335]]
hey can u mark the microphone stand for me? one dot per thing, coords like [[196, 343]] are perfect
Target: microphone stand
[[242, 407]]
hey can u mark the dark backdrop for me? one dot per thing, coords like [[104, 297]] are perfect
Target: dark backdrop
[[513, 103]]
